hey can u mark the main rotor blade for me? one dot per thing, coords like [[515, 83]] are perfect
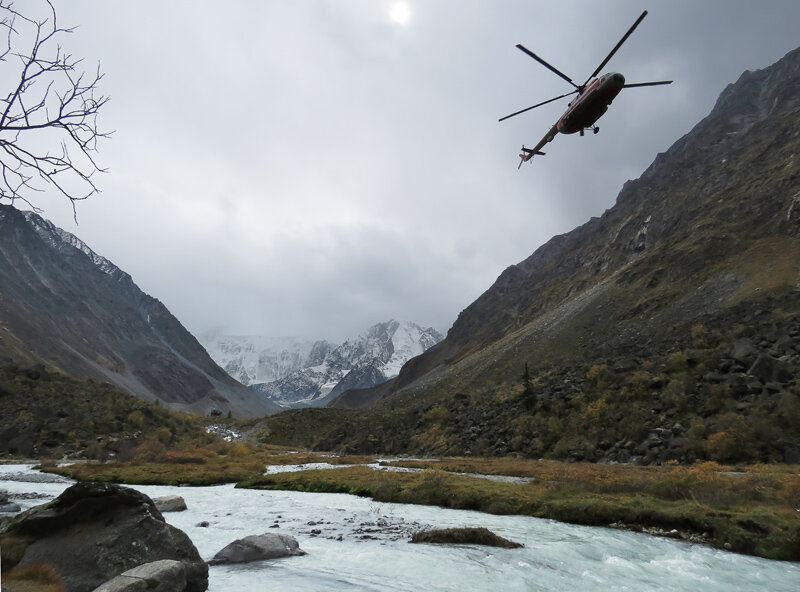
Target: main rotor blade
[[616, 47], [545, 64], [538, 105], [647, 83]]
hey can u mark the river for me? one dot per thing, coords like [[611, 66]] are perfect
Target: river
[[357, 544]]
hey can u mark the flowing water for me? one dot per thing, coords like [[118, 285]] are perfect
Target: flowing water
[[357, 544]]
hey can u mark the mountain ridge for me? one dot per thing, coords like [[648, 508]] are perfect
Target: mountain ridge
[[63, 305]]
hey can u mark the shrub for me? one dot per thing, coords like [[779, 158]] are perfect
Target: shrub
[[676, 362], [164, 435], [638, 384], [598, 375], [737, 440], [699, 335], [151, 450], [528, 394], [436, 415], [673, 395], [127, 450], [96, 451], [136, 417], [696, 438], [183, 458], [240, 449]]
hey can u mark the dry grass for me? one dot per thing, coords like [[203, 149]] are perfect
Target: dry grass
[[33, 578], [779, 484], [230, 463], [770, 264], [214, 470]]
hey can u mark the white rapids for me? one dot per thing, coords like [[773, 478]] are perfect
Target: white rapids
[[357, 544]]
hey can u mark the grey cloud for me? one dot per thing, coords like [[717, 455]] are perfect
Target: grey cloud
[[310, 168]]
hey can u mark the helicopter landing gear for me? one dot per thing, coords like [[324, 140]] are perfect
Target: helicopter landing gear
[[594, 129]]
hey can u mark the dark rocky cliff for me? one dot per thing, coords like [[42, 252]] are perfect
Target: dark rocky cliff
[[65, 306]]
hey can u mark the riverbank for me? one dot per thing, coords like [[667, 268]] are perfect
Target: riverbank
[[751, 510]]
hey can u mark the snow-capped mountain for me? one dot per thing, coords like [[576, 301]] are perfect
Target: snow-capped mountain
[[296, 373], [254, 359]]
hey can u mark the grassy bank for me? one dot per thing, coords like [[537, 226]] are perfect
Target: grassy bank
[[227, 463], [749, 510]]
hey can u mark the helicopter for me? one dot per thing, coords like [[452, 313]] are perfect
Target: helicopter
[[594, 97]]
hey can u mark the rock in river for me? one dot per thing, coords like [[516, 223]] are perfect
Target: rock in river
[[464, 536], [258, 547], [7, 507], [170, 503]]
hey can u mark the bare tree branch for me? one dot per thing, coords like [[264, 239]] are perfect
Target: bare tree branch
[[51, 103]]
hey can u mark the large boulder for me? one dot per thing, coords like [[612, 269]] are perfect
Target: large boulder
[[258, 547], [166, 575], [744, 351], [93, 532], [769, 369]]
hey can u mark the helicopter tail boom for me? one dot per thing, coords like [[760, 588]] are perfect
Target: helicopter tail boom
[[527, 154]]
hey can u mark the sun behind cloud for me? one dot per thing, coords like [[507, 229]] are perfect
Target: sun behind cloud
[[400, 12]]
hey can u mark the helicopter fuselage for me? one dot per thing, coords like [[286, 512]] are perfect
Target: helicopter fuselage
[[592, 100], [591, 103]]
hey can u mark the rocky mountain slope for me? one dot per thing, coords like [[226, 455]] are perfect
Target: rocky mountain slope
[[47, 414], [360, 362], [64, 306], [666, 329]]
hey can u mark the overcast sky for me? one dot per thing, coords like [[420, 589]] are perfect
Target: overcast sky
[[310, 168]]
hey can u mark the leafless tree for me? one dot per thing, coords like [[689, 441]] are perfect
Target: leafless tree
[[48, 116]]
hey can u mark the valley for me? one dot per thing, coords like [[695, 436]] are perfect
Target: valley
[[640, 372]]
